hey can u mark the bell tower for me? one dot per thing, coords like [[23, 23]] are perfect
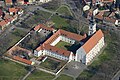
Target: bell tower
[[92, 26]]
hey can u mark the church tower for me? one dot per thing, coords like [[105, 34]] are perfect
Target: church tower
[[92, 26]]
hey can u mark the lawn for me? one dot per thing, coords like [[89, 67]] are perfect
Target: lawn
[[63, 45], [65, 11], [52, 64], [39, 75], [10, 70], [64, 77], [59, 21]]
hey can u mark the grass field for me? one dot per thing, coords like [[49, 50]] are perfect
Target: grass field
[[39, 75], [65, 11], [59, 22], [10, 70], [50, 64], [64, 77], [63, 45]]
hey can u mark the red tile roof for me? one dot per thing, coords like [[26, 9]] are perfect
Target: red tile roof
[[100, 17], [13, 10], [43, 27], [1, 12], [66, 34], [22, 60], [3, 22], [8, 1], [93, 41], [54, 49], [110, 19], [105, 1]]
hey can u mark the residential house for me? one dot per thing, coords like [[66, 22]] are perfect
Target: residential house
[[8, 2], [20, 2], [14, 11]]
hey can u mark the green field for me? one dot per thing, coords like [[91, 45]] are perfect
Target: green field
[[65, 11], [63, 45], [10, 70], [64, 77], [59, 22], [39, 75]]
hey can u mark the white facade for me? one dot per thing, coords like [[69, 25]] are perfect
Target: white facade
[[44, 1], [62, 38], [52, 54], [92, 28]]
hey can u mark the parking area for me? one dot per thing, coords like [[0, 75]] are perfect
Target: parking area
[[74, 69]]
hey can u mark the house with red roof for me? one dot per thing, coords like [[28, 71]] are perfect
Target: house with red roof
[[14, 11], [90, 48], [20, 2], [8, 2]]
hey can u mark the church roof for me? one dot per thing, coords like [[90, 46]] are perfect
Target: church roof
[[93, 41]]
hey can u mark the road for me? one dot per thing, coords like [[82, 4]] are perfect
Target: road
[[117, 76], [28, 74]]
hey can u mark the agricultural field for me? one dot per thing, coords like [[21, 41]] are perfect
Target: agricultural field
[[11, 70]]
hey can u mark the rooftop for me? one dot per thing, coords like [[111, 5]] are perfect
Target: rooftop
[[93, 41], [43, 27], [22, 60], [54, 49], [66, 34]]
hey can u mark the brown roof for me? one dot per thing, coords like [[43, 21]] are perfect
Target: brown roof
[[43, 27], [54, 49], [66, 34], [8, 1], [13, 10], [3, 22], [93, 41], [1, 12], [100, 17], [105, 1], [22, 60], [110, 19]]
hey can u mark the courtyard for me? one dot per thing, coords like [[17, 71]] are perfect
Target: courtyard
[[63, 45]]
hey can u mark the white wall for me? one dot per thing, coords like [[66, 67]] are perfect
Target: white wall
[[56, 41], [62, 38], [94, 51], [80, 55], [95, 12]]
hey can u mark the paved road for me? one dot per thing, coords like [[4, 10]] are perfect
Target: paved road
[[28, 74], [117, 76]]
